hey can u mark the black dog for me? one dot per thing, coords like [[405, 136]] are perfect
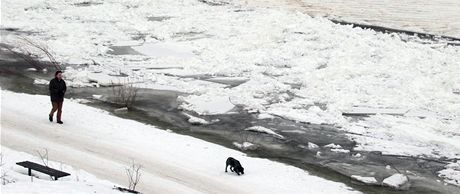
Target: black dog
[[235, 166]]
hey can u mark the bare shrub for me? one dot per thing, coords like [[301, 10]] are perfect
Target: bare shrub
[[125, 94], [133, 171]]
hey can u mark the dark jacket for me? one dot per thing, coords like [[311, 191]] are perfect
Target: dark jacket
[[57, 90]]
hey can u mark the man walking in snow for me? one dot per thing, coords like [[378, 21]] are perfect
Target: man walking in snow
[[57, 90]]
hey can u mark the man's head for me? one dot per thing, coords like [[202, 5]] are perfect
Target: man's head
[[58, 74]]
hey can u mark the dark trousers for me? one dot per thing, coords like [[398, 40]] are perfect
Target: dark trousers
[[57, 106]]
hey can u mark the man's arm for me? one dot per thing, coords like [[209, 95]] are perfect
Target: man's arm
[[65, 87], [53, 87]]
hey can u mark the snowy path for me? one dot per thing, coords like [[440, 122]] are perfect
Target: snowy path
[[103, 144], [89, 154]]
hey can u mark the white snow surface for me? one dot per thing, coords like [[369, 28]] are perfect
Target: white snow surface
[[265, 130], [103, 144], [245, 145], [196, 120], [451, 174], [332, 145], [164, 50], [207, 105], [79, 182], [429, 137], [41, 82], [395, 180], [368, 180], [298, 67], [265, 116], [340, 150], [312, 146]]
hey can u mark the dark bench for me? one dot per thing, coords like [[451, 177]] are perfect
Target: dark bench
[[43, 169]]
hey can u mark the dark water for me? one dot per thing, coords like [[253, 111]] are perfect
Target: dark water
[[160, 108]]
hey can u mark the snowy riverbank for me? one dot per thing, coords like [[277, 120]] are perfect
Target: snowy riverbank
[[102, 144], [268, 60], [15, 179]]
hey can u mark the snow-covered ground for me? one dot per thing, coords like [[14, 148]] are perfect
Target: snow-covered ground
[[103, 144], [297, 67], [15, 179]]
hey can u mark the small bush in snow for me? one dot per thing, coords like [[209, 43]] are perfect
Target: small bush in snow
[[125, 94], [133, 171]]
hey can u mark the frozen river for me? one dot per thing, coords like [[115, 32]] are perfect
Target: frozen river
[[440, 17], [262, 76]]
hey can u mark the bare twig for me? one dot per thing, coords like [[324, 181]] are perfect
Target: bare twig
[[43, 156], [42, 48], [133, 171], [25, 45], [26, 56]]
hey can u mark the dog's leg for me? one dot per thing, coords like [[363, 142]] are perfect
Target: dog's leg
[[226, 167], [232, 169]]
